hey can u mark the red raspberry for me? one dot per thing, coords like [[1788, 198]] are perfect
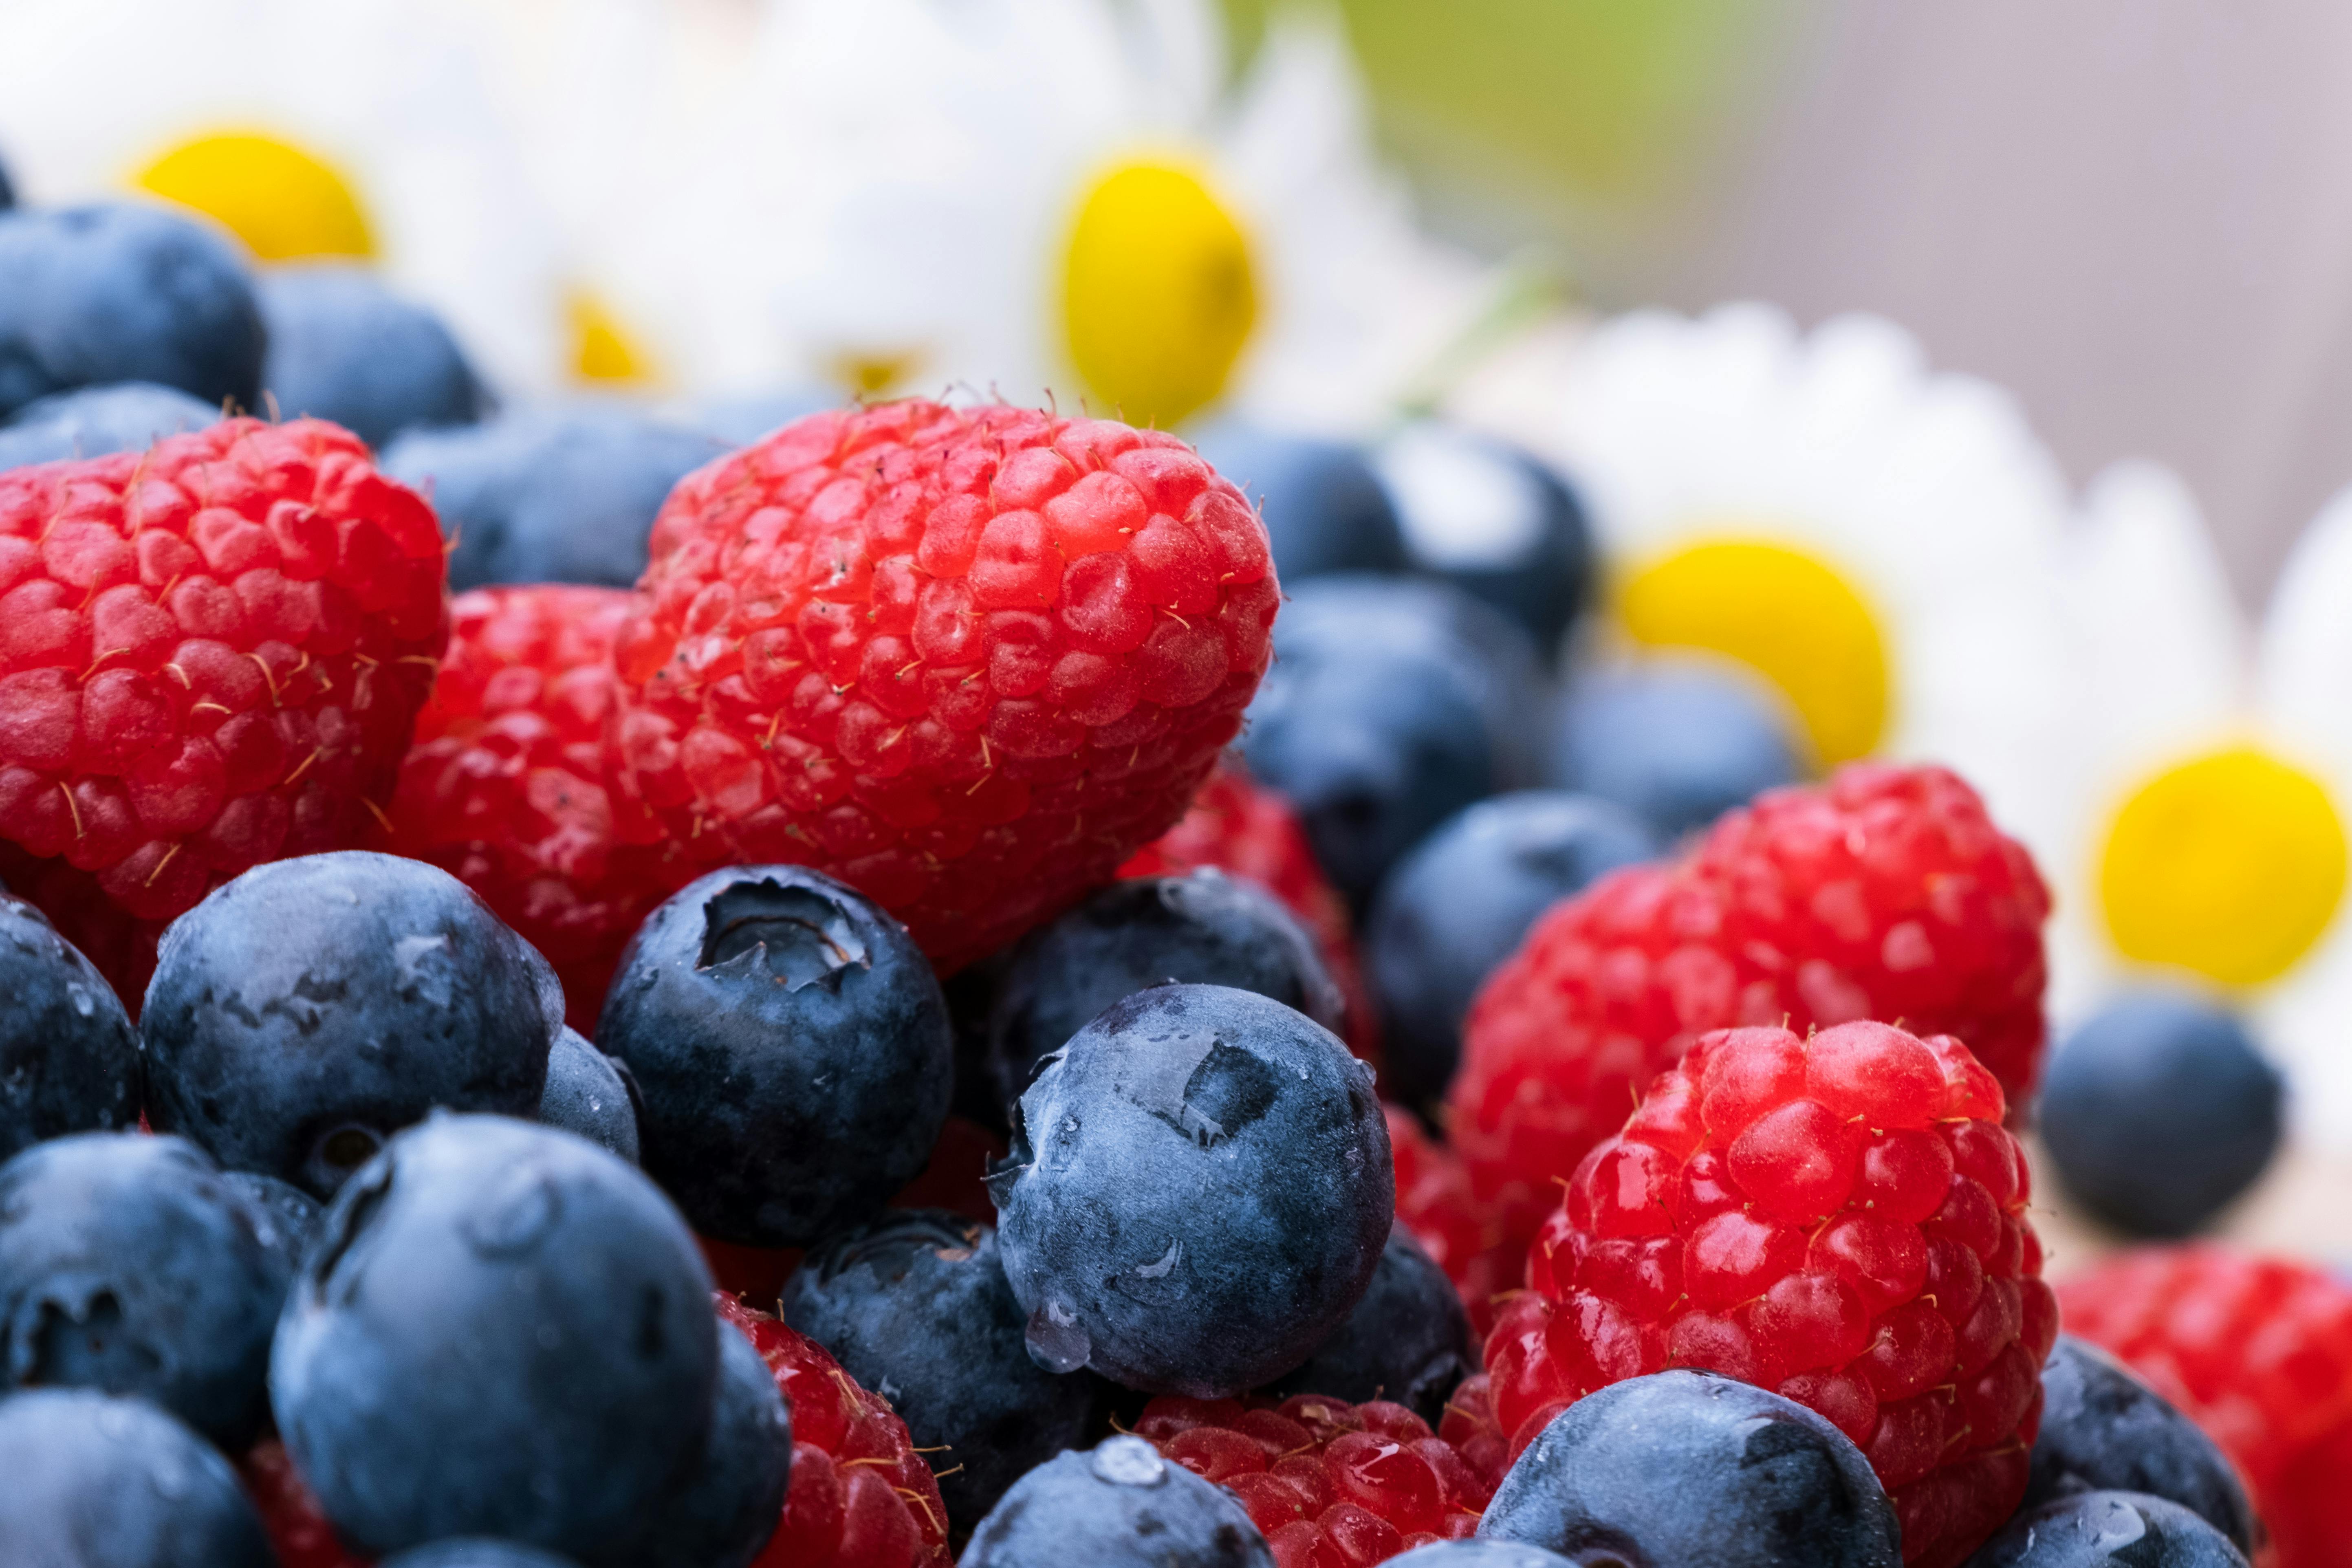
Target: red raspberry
[[2259, 1351], [298, 1530], [210, 655], [861, 1496], [1332, 1484], [967, 659], [508, 785], [1241, 828], [1841, 1219], [1886, 893], [1460, 1234]]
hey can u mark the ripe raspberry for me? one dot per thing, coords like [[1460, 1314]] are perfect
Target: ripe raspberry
[[1332, 1484], [965, 659], [508, 785], [1884, 893], [1841, 1219], [1460, 1235], [210, 655], [298, 1530], [1241, 828], [2259, 1351], [861, 1496]]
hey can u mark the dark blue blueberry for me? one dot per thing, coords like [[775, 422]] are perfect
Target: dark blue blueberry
[[550, 495], [130, 1265], [588, 1092], [2105, 1430], [1675, 742], [2159, 1111], [915, 1306], [68, 1057], [742, 419], [2108, 1530], [1492, 518], [7, 190], [344, 347], [1391, 705], [311, 1008], [124, 291], [1687, 1469], [723, 1517], [1459, 905], [1118, 1505], [92, 421], [1325, 510], [1476, 1553], [95, 1482], [1407, 1342], [504, 1332], [476, 1554], [1203, 929], [291, 1218], [1198, 1193], [791, 1049]]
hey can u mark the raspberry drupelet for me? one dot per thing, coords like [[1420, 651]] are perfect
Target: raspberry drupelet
[[1884, 893], [508, 786], [1246, 830], [298, 1530], [861, 1496], [1331, 1485], [210, 656], [966, 659], [2258, 1352], [1840, 1218]]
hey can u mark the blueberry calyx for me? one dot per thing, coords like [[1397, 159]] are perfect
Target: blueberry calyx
[[798, 935]]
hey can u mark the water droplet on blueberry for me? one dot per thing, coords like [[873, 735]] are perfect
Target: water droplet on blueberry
[[1129, 1462], [1056, 1340]]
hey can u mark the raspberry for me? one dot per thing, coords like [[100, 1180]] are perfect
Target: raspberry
[[1884, 893], [968, 660], [1434, 1203], [298, 1532], [210, 655], [508, 785], [1332, 1484], [1841, 1219], [861, 1496], [2258, 1350], [1238, 828]]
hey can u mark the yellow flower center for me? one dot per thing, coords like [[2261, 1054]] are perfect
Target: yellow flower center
[[283, 202], [870, 373], [602, 349], [1795, 620], [2230, 864], [1158, 293]]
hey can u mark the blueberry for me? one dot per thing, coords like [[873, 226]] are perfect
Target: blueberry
[[1324, 508], [68, 1057], [504, 1332], [130, 1265], [1198, 1193], [344, 347], [1492, 519], [1390, 706], [1675, 741], [723, 1517], [589, 1093], [550, 495], [476, 1554], [791, 1047], [2108, 1530], [1119, 1506], [7, 190], [915, 1306], [2159, 1071], [1458, 906], [1205, 927], [123, 292], [308, 1009], [1682, 1468], [93, 421], [740, 420], [1476, 1553], [290, 1217], [2105, 1430], [95, 1482], [1408, 1341]]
